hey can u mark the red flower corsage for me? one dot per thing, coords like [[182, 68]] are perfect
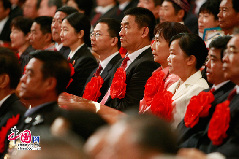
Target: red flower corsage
[[118, 86], [154, 85], [198, 107], [92, 89], [3, 133], [219, 123], [72, 73], [162, 105]]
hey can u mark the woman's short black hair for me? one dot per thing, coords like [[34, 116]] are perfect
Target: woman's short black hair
[[80, 22], [192, 44]]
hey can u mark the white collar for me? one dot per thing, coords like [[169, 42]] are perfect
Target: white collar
[[105, 9], [4, 99], [58, 46], [72, 53], [237, 89], [136, 53], [219, 85], [105, 62], [123, 5]]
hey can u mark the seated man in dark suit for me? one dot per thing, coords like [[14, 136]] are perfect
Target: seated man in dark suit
[[10, 74], [46, 76], [127, 86], [5, 20], [220, 89], [221, 137], [105, 42]]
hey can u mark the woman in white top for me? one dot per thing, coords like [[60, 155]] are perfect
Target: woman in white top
[[187, 55]]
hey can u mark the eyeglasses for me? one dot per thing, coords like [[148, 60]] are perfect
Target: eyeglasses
[[97, 34]]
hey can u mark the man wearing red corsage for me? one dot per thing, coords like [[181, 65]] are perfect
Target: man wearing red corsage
[[105, 42], [220, 139], [127, 86]]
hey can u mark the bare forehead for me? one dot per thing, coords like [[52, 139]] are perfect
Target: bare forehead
[[102, 27], [234, 42], [128, 20]]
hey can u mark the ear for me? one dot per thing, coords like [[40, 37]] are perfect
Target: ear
[[4, 81], [51, 83], [114, 41], [81, 34], [27, 37], [48, 37], [156, 10], [191, 60], [181, 14], [145, 32]]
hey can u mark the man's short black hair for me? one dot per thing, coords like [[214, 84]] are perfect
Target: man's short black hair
[[79, 22], [114, 28], [9, 64], [192, 44], [144, 18], [54, 65], [220, 43], [45, 23], [85, 5], [67, 10], [22, 23], [168, 29], [211, 7]]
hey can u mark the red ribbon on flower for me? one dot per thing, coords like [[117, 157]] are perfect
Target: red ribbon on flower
[[198, 107], [161, 105], [92, 89], [118, 86], [72, 73], [219, 123], [3, 133], [154, 85]]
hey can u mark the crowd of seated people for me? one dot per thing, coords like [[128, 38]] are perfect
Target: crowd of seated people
[[119, 79]]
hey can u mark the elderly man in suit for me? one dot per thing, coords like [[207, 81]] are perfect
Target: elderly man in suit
[[46, 76], [127, 86], [105, 42]]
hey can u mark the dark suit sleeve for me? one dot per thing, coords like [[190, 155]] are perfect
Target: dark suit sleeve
[[135, 81], [83, 69]]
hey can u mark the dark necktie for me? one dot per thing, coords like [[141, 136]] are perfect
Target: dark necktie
[[98, 71]]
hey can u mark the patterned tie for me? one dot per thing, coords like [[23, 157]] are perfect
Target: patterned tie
[[98, 71], [123, 65]]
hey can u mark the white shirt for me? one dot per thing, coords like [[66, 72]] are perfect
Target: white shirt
[[2, 23], [135, 54], [182, 94], [3, 100], [219, 85], [58, 46], [103, 10], [105, 62], [72, 53], [123, 5]]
